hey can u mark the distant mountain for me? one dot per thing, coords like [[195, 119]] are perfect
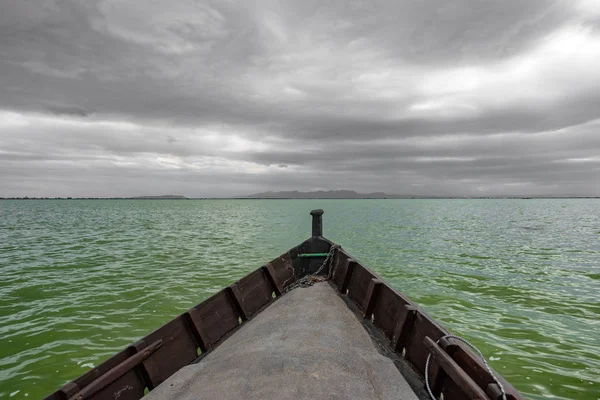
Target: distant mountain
[[329, 194], [163, 197]]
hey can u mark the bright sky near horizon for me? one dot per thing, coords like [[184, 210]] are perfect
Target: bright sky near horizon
[[222, 98]]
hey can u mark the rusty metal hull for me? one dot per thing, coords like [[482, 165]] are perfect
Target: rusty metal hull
[[404, 332]]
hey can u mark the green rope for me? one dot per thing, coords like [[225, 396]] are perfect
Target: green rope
[[313, 255]]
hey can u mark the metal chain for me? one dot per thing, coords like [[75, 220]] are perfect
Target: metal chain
[[478, 352], [310, 280]]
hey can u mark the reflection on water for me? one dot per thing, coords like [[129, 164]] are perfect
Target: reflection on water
[[519, 278]]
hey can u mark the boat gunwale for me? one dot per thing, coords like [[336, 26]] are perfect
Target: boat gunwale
[[248, 296], [471, 364]]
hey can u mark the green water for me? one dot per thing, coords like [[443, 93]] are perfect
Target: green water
[[83, 279]]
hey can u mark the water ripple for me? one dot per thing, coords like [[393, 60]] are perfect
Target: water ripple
[[83, 279]]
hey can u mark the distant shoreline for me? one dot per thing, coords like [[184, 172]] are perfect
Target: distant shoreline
[[342, 194], [307, 198]]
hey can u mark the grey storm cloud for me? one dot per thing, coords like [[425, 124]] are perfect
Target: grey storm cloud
[[464, 97]]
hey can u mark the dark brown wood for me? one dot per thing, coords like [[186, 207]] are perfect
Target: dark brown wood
[[117, 372], [386, 309], [282, 271], [214, 318], [340, 267], [404, 325], [473, 366], [253, 292], [69, 390], [359, 284], [101, 369], [195, 331], [493, 391], [271, 280], [454, 371], [130, 386], [452, 391], [233, 292], [348, 275], [371, 297], [310, 265], [416, 351], [438, 375], [179, 348]]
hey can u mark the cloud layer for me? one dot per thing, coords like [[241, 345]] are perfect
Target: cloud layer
[[222, 98]]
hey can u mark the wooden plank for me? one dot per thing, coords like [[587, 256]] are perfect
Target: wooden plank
[[282, 271], [195, 331], [452, 391], [340, 267], [117, 372], [386, 309], [214, 318], [69, 389], [493, 391], [359, 284], [405, 322], [371, 297], [438, 375], [66, 391], [348, 276], [253, 292], [308, 266], [473, 366], [454, 371], [128, 387], [416, 351], [271, 278], [100, 370], [235, 296], [179, 349]]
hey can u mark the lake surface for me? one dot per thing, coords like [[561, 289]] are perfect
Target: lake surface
[[80, 280]]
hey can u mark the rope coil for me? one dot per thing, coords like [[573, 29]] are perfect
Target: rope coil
[[428, 387]]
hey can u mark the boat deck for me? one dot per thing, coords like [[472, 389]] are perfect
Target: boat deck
[[352, 336], [306, 345]]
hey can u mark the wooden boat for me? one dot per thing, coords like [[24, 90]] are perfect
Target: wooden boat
[[312, 323]]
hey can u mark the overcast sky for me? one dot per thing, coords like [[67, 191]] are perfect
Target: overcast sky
[[201, 98]]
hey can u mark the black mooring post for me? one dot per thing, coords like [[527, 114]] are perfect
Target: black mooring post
[[317, 222]]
